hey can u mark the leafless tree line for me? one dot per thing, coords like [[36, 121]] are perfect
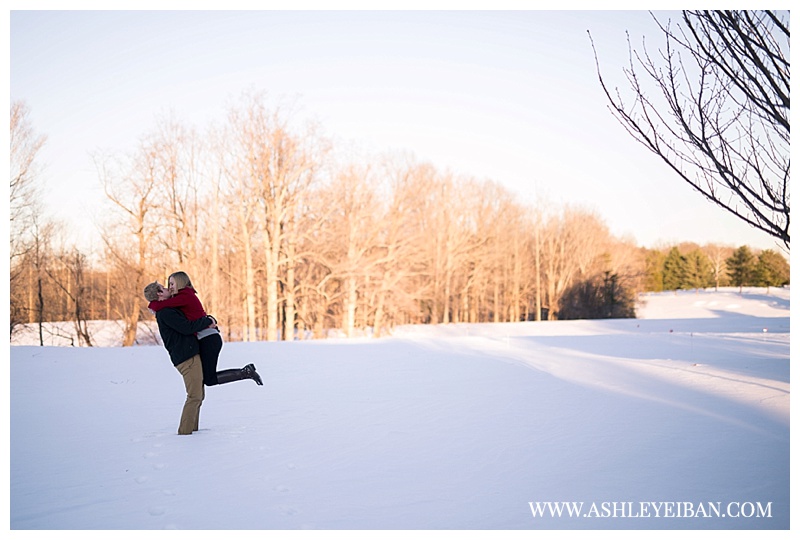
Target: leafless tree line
[[284, 238]]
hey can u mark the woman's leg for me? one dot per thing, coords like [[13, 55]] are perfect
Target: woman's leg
[[247, 372], [210, 347]]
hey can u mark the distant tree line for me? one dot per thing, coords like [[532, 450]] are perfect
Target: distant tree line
[[284, 238], [691, 267]]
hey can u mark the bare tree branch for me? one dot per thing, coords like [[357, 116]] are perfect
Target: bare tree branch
[[718, 115]]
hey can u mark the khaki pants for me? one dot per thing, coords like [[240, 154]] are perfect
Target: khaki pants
[[192, 371]]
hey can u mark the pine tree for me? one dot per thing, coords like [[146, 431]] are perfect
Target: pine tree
[[741, 267], [603, 297], [654, 270], [698, 270], [771, 270], [675, 268]]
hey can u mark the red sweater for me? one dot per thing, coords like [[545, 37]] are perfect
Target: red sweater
[[186, 300]]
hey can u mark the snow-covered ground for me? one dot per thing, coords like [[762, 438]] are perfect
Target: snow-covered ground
[[669, 421]]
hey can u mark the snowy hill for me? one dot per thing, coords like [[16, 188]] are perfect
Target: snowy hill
[[676, 420]]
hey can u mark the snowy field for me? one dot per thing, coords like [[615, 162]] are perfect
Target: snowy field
[[676, 420]]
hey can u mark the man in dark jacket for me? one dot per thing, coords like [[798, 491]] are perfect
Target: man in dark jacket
[[178, 335]]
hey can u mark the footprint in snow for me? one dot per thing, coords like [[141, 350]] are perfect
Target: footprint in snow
[[288, 510], [156, 510]]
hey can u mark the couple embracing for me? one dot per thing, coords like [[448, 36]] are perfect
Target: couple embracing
[[193, 341]]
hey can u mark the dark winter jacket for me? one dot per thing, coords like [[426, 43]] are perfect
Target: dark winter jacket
[[178, 333]]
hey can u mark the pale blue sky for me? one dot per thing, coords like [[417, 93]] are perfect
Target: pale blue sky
[[509, 96]]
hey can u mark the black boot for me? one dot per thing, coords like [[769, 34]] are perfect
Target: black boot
[[247, 372], [250, 369], [230, 375]]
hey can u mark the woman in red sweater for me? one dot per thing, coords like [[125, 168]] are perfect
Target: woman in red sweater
[[184, 297]]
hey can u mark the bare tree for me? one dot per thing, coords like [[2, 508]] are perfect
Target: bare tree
[[719, 112], [176, 150], [717, 255], [486, 274], [244, 213], [131, 187], [571, 243], [24, 204], [275, 166], [233, 254], [73, 283], [400, 264], [537, 226], [25, 169], [452, 242], [347, 244], [39, 255]]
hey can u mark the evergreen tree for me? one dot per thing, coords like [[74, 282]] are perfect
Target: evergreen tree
[[771, 270], [698, 270], [675, 269], [598, 298], [654, 270], [741, 267]]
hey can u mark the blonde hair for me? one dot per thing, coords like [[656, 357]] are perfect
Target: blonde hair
[[151, 291], [181, 280]]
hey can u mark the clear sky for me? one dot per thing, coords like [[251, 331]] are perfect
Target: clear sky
[[510, 96]]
